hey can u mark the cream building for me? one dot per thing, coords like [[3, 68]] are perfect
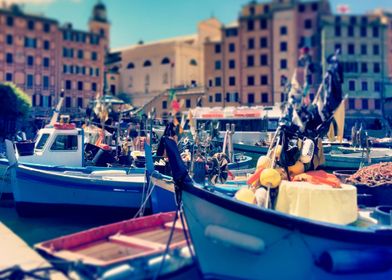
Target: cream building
[[145, 70]]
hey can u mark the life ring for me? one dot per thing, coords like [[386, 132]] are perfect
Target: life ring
[[64, 126]]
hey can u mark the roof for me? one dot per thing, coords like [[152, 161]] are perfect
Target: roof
[[158, 42]]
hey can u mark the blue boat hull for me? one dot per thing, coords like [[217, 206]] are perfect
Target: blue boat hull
[[234, 240]]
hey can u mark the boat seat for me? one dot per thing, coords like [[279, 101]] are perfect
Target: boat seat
[[136, 241]]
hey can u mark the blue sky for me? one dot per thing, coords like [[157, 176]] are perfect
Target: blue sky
[[149, 20]]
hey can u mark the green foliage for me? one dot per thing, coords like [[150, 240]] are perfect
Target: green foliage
[[15, 102]]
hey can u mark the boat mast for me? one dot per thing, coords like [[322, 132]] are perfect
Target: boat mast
[[56, 112]]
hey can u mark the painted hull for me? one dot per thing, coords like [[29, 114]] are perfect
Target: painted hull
[[233, 240], [353, 160], [48, 190]]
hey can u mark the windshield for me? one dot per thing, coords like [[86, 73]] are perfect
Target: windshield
[[42, 141]]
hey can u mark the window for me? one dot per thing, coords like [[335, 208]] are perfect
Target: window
[[30, 42], [210, 83], [351, 103], [283, 64], [164, 104], [250, 61], [193, 62], [45, 82], [218, 81], [231, 32], [264, 97], [251, 43], [231, 47], [76, 69], [364, 68], [113, 89], [8, 77], [188, 103], [308, 24], [232, 64], [80, 102], [375, 31], [46, 45], [231, 81], [376, 67], [30, 81], [218, 97], [80, 54], [250, 80], [263, 59], [46, 27], [263, 23], [97, 72], [80, 85], [94, 56], [377, 86], [228, 96], [218, 65], [30, 25], [250, 25], [251, 98], [283, 30], [263, 42], [10, 21], [236, 96], [350, 31], [376, 49], [283, 46], [377, 104], [165, 78], [364, 85], [65, 143], [210, 99], [365, 104], [68, 102], [218, 48], [30, 60], [338, 31], [68, 85], [264, 80], [351, 85], [301, 8], [42, 141], [9, 39], [252, 10], [363, 31], [266, 9], [165, 60], [351, 49], [46, 62], [130, 65], [363, 49], [338, 46], [9, 58], [94, 86], [314, 7]]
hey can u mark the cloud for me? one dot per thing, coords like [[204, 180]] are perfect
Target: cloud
[[33, 2]]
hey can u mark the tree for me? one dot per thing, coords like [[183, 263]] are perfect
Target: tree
[[15, 108]]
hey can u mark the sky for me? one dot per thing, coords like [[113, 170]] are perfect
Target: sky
[[150, 20]]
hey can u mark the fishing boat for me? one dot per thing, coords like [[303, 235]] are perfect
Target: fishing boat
[[313, 230], [130, 249]]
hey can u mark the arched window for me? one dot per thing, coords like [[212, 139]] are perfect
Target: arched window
[[193, 62], [147, 63], [115, 69], [165, 60], [130, 65]]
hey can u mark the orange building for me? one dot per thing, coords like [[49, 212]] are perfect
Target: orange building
[[42, 57]]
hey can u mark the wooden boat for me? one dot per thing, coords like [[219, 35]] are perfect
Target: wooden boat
[[130, 249], [236, 240]]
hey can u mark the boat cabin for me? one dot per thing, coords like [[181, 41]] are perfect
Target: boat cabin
[[60, 144], [251, 123]]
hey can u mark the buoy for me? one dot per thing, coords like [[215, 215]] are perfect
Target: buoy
[[263, 162], [245, 195], [261, 196], [254, 179], [296, 169], [269, 177]]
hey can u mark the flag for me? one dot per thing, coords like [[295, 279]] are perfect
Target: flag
[[172, 94]]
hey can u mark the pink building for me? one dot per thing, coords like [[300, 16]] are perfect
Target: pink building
[[42, 57], [247, 65]]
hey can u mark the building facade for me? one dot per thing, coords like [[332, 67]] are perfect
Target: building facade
[[42, 57], [254, 55], [363, 46], [146, 70]]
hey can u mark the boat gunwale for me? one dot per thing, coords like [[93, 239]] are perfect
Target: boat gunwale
[[381, 236]]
